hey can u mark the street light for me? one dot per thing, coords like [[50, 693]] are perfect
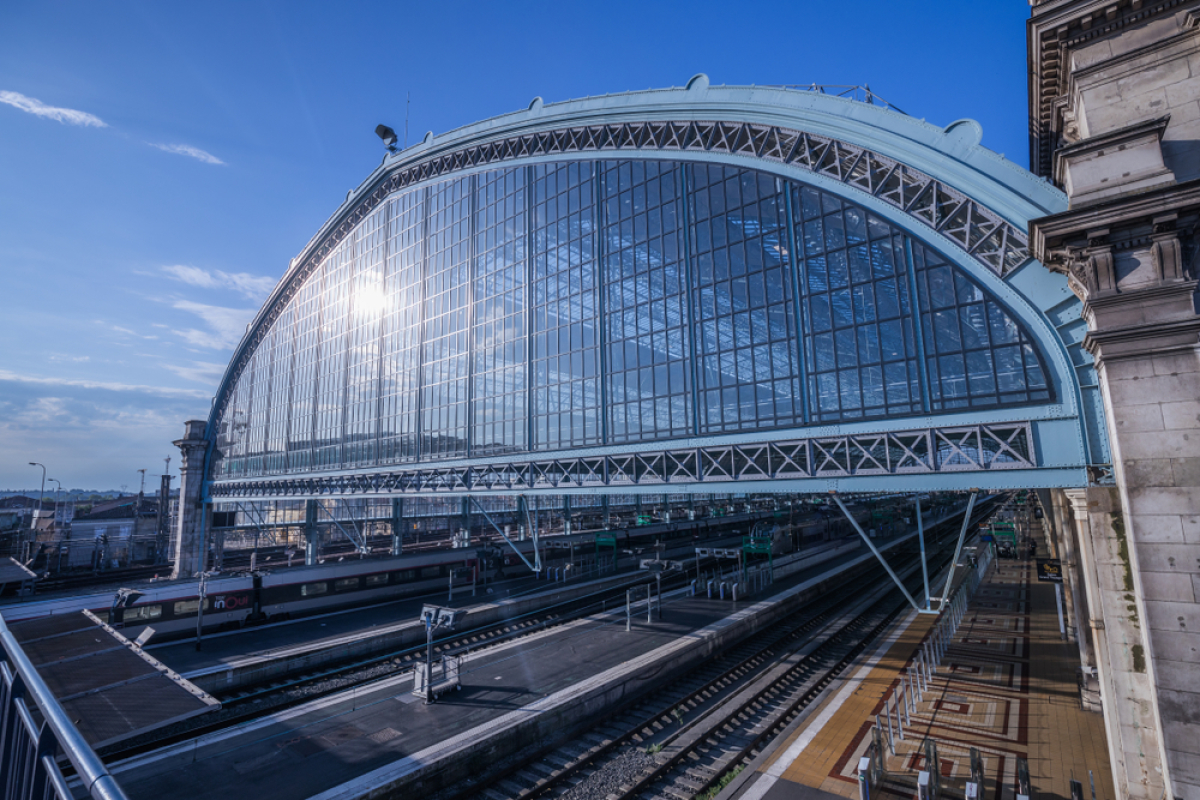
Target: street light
[[42, 491]]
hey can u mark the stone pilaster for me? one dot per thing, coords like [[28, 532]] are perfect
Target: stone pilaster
[[1127, 693], [1148, 362], [192, 518]]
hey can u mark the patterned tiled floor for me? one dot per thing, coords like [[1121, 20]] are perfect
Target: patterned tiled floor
[[1006, 686]]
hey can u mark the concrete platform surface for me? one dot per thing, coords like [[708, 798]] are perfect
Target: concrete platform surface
[[335, 746]]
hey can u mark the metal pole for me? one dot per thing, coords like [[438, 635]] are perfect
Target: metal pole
[[200, 609], [649, 602], [628, 609], [658, 580], [921, 540], [33, 525], [874, 550], [429, 658], [1062, 628], [962, 534]]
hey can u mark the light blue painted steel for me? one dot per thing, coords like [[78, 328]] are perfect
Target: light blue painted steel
[[951, 156]]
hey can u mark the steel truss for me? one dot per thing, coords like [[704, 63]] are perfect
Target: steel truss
[[998, 245], [996, 446]]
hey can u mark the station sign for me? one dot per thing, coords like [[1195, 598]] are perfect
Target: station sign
[[1049, 570]]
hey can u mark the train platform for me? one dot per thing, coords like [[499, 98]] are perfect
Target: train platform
[[379, 735], [1006, 685], [253, 655]]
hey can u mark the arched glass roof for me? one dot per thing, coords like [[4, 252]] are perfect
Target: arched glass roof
[[612, 303]]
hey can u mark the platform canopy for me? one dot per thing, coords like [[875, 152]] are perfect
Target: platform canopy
[[109, 687]]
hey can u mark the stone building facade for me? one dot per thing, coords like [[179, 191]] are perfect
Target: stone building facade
[[1115, 122]]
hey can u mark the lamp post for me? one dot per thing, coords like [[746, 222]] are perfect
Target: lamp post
[[42, 491], [203, 576], [57, 492]]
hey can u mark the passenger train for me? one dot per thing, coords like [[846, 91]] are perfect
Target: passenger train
[[262, 596]]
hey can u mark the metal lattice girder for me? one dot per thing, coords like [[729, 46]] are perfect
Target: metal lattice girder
[[995, 243], [973, 448]]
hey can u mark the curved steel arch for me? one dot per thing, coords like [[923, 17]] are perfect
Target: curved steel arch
[[942, 199]]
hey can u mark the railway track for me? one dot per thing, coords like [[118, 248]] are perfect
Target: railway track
[[736, 665], [253, 702], [680, 741]]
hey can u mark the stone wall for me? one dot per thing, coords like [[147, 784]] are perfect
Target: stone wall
[[1115, 111]]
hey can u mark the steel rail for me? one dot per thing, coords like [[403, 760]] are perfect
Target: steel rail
[[628, 726], [94, 776]]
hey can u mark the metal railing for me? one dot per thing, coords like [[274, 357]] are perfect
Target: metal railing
[[29, 749], [862, 94]]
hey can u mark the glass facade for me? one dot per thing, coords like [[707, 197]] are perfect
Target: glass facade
[[584, 303]]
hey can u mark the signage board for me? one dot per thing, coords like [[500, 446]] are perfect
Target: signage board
[[1049, 570]]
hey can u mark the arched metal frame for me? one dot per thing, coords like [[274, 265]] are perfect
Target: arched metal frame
[[1035, 444]]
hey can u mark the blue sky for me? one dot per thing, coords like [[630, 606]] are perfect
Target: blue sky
[[161, 163]]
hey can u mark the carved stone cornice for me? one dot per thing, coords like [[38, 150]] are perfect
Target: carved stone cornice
[[1052, 236], [1053, 30]]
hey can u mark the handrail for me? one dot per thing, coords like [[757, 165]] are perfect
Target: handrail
[[862, 94], [101, 785]]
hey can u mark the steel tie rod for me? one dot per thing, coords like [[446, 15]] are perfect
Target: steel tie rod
[[875, 550]]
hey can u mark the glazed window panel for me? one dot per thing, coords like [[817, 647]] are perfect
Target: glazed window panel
[[645, 301], [304, 375], [404, 286], [331, 367], [564, 385], [978, 355], [743, 297], [368, 303], [447, 281], [859, 338], [499, 327], [282, 366]]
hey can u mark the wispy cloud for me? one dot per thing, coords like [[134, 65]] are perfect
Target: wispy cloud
[[227, 325], [128, 331], [67, 116], [89, 436], [161, 391], [189, 151], [253, 287], [199, 371]]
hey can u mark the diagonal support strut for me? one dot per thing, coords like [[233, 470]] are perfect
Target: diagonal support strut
[[921, 540], [503, 536], [962, 535], [875, 550]]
